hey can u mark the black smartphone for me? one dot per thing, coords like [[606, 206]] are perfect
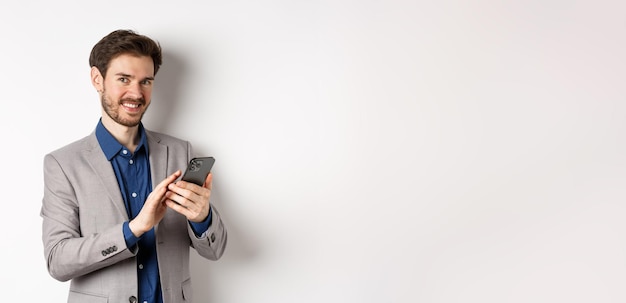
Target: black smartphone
[[198, 169]]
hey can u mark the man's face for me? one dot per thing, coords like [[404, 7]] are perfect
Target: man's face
[[127, 89]]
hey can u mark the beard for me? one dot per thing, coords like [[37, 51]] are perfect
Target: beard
[[113, 110]]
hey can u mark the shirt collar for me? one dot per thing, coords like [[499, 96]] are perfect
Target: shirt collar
[[109, 144]]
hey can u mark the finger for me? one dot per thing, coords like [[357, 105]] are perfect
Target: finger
[[169, 180], [194, 215], [189, 190], [160, 190], [208, 183], [184, 201], [185, 189], [177, 207]]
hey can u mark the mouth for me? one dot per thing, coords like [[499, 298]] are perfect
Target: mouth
[[132, 106]]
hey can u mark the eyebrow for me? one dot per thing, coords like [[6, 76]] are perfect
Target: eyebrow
[[130, 76]]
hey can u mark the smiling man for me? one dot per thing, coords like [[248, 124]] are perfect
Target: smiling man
[[116, 222]]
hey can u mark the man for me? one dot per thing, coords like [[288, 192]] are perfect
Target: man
[[115, 220]]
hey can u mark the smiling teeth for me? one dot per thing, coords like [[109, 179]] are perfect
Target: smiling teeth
[[131, 105]]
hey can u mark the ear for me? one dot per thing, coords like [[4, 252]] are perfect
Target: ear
[[96, 79]]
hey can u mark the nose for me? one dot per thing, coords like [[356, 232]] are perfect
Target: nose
[[135, 90]]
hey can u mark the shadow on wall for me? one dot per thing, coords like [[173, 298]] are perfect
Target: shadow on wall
[[166, 96], [241, 251]]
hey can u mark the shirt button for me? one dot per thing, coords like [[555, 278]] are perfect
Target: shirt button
[[124, 151], [134, 195], [131, 161], [140, 266]]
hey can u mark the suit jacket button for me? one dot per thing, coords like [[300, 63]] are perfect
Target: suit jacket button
[[104, 253], [212, 237], [132, 299], [114, 248]]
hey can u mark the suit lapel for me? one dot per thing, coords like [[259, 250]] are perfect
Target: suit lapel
[[158, 163], [102, 167], [158, 158]]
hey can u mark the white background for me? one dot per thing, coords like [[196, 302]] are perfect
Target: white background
[[367, 151]]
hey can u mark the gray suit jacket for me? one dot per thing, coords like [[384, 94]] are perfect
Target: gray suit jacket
[[83, 212]]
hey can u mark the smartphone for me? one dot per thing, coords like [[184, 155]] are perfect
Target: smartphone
[[198, 169]]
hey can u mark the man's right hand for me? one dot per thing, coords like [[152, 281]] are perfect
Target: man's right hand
[[153, 209]]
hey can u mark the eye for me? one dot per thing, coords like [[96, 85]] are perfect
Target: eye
[[146, 82], [123, 79]]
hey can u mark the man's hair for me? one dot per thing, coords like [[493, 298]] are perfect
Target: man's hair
[[121, 42]]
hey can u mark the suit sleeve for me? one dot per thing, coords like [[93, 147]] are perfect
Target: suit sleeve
[[70, 253], [212, 243]]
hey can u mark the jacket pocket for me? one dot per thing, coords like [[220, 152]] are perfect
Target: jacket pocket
[[78, 297], [187, 291]]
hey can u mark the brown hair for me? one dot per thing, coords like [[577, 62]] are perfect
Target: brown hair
[[121, 42]]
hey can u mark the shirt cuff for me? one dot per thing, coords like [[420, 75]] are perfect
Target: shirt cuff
[[200, 228], [129, 237]]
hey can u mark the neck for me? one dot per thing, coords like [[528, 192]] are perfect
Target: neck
[[128, 136]]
